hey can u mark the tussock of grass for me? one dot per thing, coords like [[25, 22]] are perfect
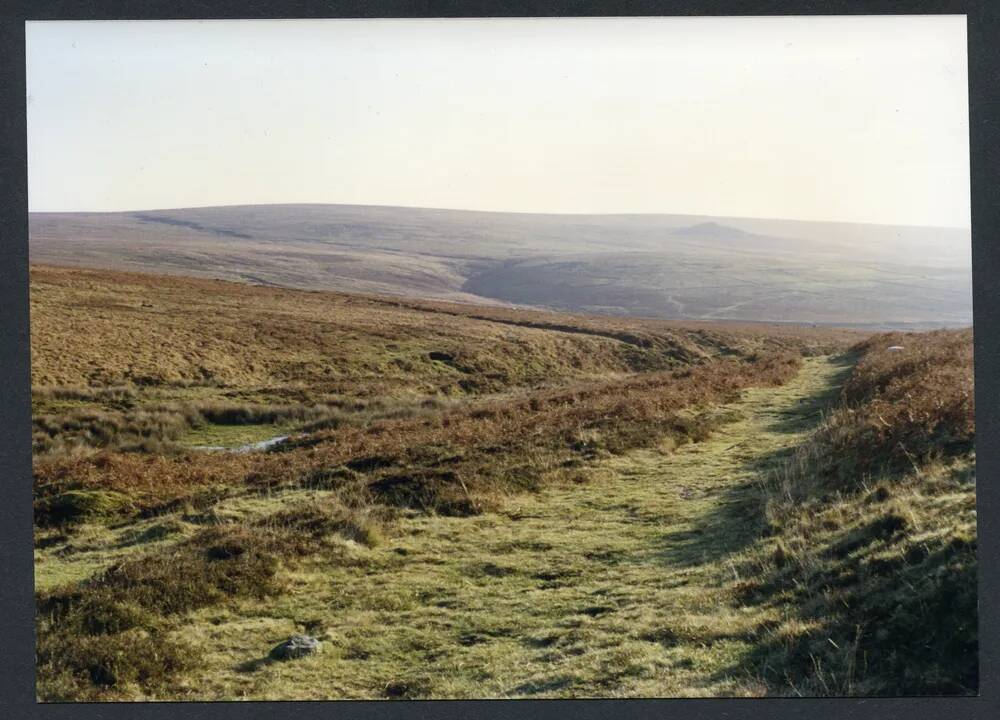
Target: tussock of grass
[[483, 501], [111, 631], [873, 533], [317, 519], [459, 461], [79, 505], [99, 667], [899, 410]]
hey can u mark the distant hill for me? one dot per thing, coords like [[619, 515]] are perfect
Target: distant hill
[[712, 230], [671, 266]]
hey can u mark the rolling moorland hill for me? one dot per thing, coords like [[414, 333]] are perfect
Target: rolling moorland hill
[[667, 266], [478, 501]]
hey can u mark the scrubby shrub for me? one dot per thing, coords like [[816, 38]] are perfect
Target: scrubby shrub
[[457, 460], [110, 632], [218, 562], [897, 411], [871, 532], [78, 505], [84, 667]]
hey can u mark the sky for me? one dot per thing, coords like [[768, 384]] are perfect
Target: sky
[[861, 119]]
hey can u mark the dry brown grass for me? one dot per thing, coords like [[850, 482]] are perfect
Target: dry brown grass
[[125, 361], [921, 398], [104, 328], [403, 408], [872, 526], [899, 410], [460, 460], [365, 377]]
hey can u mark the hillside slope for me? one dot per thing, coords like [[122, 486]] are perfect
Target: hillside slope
[[476, 501], [608, 587], [394, 410], [871, 532], [639, 265]]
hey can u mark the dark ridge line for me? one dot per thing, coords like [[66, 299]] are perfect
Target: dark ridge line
[[623, 337], [191, 225]]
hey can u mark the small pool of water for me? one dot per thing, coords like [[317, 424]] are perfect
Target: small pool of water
[[248, 447]]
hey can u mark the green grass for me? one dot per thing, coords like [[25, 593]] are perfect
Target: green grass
[[69, 559], [872, 532], [491, 502], [879, 587], [214, 435], [610, 587], [658, 572], [613, 586]]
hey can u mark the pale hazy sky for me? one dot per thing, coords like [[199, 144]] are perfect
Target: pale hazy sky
[[860, 119]]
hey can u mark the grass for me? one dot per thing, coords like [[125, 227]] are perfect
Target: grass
[[108, 631], [103, 329], [230, 436], [560, 592], [883, 587], [459, 461], [493, 502], [874, 527], [552, 397], [126, 362]]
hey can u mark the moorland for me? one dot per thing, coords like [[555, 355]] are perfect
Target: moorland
[[664, 266], [472, 500]]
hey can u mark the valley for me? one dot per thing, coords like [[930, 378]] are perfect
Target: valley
[[658, 266]]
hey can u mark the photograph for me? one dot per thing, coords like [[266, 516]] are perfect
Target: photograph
[[501, 358]]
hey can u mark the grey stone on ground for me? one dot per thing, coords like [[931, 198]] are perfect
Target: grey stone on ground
[[295, 647]]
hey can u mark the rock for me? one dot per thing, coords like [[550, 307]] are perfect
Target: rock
[[295, 647]]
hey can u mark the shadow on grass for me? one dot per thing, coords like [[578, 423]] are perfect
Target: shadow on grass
[[251, 666], [808, 412], [737, 518], [879, 608], [536, 687], [906, 624]]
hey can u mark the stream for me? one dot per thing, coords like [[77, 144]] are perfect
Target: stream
[[249, 447]]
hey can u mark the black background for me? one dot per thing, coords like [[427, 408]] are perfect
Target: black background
[[17, 662]]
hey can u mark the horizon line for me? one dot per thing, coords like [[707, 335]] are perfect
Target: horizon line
[[491, 212]]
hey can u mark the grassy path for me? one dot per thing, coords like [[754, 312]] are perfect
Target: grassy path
[[615, 587]]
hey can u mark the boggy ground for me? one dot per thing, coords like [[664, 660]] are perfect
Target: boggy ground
[[614, 587]]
